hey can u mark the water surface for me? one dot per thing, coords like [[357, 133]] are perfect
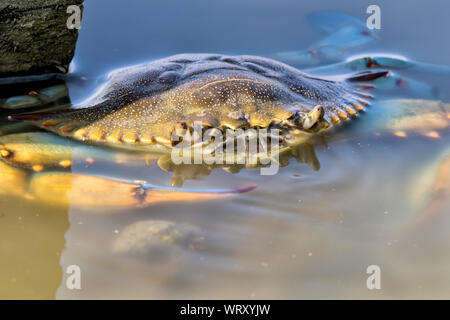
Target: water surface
[[301, 233]]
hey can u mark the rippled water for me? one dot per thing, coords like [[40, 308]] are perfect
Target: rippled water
[[301, 233]]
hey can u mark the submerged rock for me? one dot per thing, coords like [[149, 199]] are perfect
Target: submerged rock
[[158, 239]]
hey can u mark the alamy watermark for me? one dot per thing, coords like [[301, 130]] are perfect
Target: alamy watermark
[[374, 280], [374, 20], [74, 20], [73, 281]]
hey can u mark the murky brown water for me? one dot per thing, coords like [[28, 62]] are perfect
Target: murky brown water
[[301, 234]]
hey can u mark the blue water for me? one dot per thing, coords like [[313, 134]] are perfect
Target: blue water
[[114, 34]]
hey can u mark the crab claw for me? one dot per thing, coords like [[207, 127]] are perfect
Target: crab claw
[[313, 117], [86, 191]]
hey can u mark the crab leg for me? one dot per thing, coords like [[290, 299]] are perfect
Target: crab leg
[[37, 98], [42, 150], [393, 83], [380, 61], [79, 190], [402, 117]]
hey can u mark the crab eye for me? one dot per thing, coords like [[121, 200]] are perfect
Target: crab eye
[[168, 77]]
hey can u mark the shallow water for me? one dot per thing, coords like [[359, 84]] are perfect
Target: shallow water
[[301, 233]]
